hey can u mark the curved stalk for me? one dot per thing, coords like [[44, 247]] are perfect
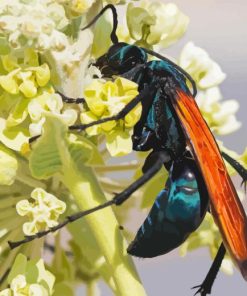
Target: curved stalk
[[87, 193]]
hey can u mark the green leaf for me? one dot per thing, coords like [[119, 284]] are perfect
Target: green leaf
[[19, 267], [56, 149]]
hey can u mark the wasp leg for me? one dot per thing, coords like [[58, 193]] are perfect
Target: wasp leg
[[206, 286], [119, 198], [71, 100], [238, 167], [5, 275], [131, 105]]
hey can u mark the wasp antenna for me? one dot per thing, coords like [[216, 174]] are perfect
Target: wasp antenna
[[181, 70], [114, 37]]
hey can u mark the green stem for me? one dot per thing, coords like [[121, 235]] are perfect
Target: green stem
[[92, 289], [104, 226], [133, 165]]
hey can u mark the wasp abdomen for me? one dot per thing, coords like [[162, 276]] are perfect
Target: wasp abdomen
[[178, 210]]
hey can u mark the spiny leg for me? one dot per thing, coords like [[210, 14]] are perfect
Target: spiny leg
[[237, 166], [69, 100], [5, 275], [206, 287], [120, 198], [131, 105]]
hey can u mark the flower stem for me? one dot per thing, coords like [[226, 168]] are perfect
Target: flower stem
[[87, 193], [92, 289]]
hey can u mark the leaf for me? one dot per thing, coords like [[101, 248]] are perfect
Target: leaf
[[55, 149], [19, 267]]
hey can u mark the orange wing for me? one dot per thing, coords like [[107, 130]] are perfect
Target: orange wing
[[226, 207]]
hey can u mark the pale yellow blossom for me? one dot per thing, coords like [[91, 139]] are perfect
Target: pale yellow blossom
[[29, 278], [42, 211], [219, 114], [105, 99], [205, 71], [8, 166], [153, 23]]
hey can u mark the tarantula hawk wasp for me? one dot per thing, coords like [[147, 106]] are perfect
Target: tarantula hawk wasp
[[172, 126]]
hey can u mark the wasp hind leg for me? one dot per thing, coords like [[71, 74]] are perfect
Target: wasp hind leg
[[206, 286], [238, 167]]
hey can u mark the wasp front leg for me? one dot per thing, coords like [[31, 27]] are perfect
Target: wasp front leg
[[69, 100], [130, 106]]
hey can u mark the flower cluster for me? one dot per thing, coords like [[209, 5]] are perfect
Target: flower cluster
[[42, 211], [105, 99], [220, 115], [29, 278], [34, 23], [196, 61], [152, 23], [26, 96]]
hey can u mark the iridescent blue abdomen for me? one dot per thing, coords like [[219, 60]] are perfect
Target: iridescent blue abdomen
[[178, 210]]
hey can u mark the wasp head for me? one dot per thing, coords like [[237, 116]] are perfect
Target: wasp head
[[120, 58]]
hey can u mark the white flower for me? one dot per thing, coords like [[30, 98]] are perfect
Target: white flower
[[36, 24], [200, 66], [29, 278], [220, 116], [42, 212], [156, 22], [48, 103]]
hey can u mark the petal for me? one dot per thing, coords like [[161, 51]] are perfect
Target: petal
[[200, 66], [37, 290], [23, 207], [8, 166], [87, 117], [29, 228], [119, 143], [18, 113], [28, 88], [13, 137], [9, 84], [42, 75]]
